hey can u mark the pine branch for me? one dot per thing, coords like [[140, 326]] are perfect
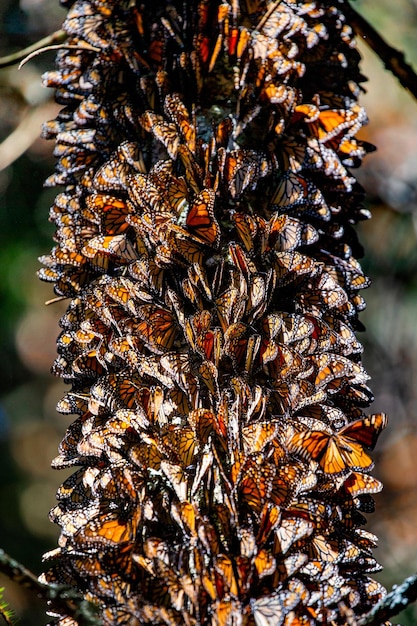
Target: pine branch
[[393, 59], [5, 612], [394, 602]]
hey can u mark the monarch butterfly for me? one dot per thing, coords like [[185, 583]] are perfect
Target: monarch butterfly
[[330, 367], [241, 260], [246, 227], [118, 246], [257, 301], [110, 528], [74, 161], [181, 444], [287, 328], [176, 194], [178, 366], [288, 233], [177, 479], [209, 374], [223, 132], [200, 219], [285, 483], [327, 414], [357, 484], [193, 171], [265, 563], [158, 329], [75, 490], [271, 610], [258, 435], [90, 364], [270, 517], [203, 422], [236, 342], [324, 293], [146, 455], [255, 485], [287, 567], [55, 79], [331, 123], [165, 132], [150, 199], [323, 337], [279, 94], [110, 211], [351, 396], [290, 531], [290, 265], [336, 452], [293, 150], [63, 256], [322, 549], [76, 403], [48, 275], [112, 175], [295, 191], [178, 113]]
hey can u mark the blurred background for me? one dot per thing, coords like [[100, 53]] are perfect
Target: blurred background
[[30, 429]]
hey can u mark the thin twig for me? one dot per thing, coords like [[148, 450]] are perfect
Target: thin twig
[[35, 53], [393, 603], [392, 58], [55, 38]]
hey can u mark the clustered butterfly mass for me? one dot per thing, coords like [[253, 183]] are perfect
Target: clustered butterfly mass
[[205, 241]]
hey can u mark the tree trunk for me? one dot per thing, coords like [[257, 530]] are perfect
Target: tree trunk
[[205, 241]]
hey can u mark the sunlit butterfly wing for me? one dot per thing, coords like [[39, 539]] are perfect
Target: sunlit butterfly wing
[[200, 219]]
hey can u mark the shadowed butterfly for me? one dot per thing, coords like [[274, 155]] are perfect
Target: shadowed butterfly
[[295, 192], [246, 227], [290, 265], [178, 113], [165, 132]]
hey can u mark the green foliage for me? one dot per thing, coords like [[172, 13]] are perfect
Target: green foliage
[[6, 613]]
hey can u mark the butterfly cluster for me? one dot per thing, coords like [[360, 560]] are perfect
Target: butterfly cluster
[[205, 242]]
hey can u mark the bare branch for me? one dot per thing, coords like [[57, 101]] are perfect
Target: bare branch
[[392, 58], [393, 603], [63, 597]]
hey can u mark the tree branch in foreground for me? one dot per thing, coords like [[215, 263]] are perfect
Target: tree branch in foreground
[[394, 602], [56, 596]]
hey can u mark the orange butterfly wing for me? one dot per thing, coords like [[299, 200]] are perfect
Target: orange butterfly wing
[[200, 219]]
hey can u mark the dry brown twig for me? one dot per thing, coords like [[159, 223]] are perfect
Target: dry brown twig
[[393, 59], [57, 37]]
